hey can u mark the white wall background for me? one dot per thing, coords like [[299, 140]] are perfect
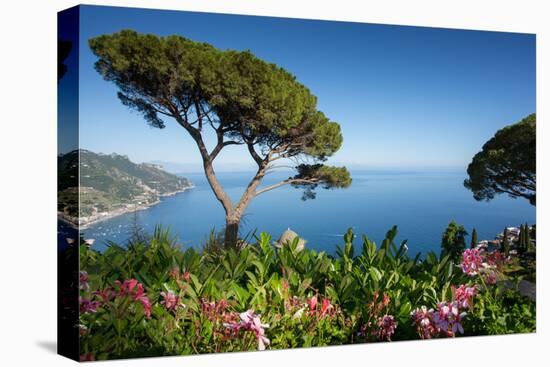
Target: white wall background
[[28, 180]]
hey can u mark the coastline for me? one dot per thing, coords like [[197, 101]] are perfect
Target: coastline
[[86, 222]]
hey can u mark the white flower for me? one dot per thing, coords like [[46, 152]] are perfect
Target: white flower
[[298, 314]]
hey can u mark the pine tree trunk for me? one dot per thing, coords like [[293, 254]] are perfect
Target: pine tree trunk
[[232, 231]]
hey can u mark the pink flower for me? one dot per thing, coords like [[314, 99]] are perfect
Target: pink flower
[[386, 327], [496, 258], [471, 262], [171, 302], [87, 305], [490, 278], [464, 296], [105, 295], [253, 323], [326, 307], [175, 273], [262, 342], [84, 281], [385, 300], [448, 318], [376, 323], [134, 289], [186, 276], [250, 321], [126, 287], [312, 303], [141, 297], [214, 310], [423, 319]]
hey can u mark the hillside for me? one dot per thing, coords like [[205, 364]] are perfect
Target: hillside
[[110, 184]]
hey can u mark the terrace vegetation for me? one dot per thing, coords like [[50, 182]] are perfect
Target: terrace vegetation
[[153, 298]]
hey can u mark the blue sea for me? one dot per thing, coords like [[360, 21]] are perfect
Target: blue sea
[[421, 204]]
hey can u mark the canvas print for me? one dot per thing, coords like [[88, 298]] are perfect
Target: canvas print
[[234, 183]]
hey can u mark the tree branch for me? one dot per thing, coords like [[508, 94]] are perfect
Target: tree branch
[[286, 182], [217, 149], [218, 190], [259, 161], [199, 115], [511, 191]]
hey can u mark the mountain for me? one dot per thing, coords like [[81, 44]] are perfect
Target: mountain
[[110, 184], [174, 167]]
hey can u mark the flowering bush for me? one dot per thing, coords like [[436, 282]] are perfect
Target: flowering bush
[[424, 321], [251, 322], [495, 314], [377, 324], [386, 327], [464, 296], [156, 299], [472, 262], [320, 309], [487, 265], [87, 305], [134, 290], [446, 319], [170, 301]]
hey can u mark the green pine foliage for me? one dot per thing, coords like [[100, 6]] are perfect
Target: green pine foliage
[[507, 163]]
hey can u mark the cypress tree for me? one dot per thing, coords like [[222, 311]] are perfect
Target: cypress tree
[[474, 238], [527, 238], [521, 238], [505, 243]]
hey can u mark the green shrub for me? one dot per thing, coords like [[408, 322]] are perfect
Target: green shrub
[[159, 299]]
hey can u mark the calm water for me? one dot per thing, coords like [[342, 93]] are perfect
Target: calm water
[[420, 203]]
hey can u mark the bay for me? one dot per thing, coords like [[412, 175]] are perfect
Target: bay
[[420, 203]]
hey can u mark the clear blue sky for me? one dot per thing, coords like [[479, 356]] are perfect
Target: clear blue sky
[[405, 97]]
